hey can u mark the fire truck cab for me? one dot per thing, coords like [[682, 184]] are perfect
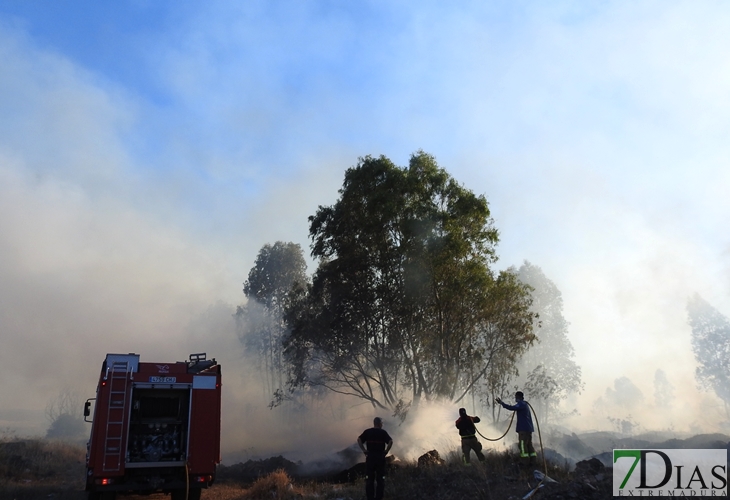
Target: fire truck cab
[[155, 427]]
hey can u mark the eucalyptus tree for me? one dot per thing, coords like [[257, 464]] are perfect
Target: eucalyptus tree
[[278, 270], [404, 304], [549, 372], [711, 347]]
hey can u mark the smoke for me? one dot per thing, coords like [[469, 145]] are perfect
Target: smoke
[[131, 208]]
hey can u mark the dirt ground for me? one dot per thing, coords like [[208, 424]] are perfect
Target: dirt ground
[[405, 482]]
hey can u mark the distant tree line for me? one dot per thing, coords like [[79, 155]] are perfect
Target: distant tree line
[[405, 305]]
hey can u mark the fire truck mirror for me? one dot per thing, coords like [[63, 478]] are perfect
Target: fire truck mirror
[[87, 409]]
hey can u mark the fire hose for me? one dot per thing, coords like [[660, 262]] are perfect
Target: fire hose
[[187, 481], [542, 449]]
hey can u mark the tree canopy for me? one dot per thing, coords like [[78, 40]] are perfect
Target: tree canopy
[[548, 368], [278, 270], [404, 304]]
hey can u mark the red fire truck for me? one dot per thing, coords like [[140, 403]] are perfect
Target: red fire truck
[[156, 427]]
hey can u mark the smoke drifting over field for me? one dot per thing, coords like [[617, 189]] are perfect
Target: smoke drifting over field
[[142, 168]]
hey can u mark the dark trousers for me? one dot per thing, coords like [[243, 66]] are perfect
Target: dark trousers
[[468, 444], [527, 451], [375, 467]]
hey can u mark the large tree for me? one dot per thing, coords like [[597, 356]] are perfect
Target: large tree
[[278, 270], [404, 304], [548, 369], [711, 347]]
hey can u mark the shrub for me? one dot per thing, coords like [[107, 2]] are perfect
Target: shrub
[[277, 485]]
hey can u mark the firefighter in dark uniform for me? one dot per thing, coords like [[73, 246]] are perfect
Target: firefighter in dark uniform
[[524, 426], [468, 433], [375, 443]]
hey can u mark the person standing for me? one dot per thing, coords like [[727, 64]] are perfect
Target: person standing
[[524, 426], [375, 443], [468, 433]]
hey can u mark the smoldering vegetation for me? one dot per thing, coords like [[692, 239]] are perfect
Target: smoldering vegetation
[[559, 448], [45, 468], [50, 469]]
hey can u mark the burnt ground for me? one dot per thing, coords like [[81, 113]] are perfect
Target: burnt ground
[[39, 469], [500, 477]]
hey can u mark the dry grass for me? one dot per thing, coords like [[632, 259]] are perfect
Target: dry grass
[[276, 486], [41, 469], [279, 485], [496, 478]]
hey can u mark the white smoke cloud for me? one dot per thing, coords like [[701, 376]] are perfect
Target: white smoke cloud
[[128, 223]]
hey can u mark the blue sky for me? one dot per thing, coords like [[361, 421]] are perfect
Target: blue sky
[[149, 149]]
